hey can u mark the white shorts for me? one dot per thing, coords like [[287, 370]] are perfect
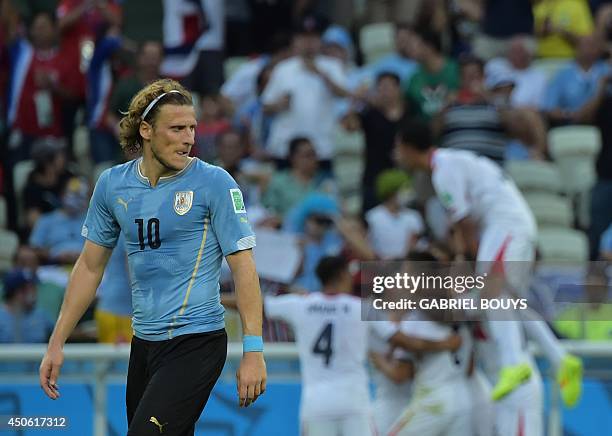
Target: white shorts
[[349, 425], [386, 412], [521, 412], [512, 253], [483, 412], [445, 410]]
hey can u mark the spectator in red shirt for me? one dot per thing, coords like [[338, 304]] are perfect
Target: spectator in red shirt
[[79, 22], [38, 74]]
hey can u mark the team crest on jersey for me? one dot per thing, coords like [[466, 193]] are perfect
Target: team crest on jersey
[[183, 201]]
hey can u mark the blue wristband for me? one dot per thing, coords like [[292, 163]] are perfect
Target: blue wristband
[[252, 343]]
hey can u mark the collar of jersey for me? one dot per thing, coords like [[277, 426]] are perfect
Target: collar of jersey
[[163, 179]]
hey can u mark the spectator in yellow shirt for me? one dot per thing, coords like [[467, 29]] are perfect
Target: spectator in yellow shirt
[[558, 24], [592, 319]]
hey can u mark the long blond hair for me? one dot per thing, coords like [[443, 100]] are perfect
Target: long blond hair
[[129, 126]]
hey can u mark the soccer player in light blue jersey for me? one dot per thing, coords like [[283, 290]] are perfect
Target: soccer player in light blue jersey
[[180, 217]]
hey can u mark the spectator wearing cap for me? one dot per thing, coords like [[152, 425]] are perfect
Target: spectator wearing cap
[[299, 91], [481, 120], [393, 229], [42, 191], [529, 81], [324, 232], [337, 44], [290, 186], [20, 320], [57, 235], [558, 26], [576, 83], [437, 77]]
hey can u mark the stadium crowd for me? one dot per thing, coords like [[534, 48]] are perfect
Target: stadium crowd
[[301, 105]]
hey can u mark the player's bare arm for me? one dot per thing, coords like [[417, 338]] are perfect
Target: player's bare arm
[[417, 345], [80, 293], [399, 371], [251, 374], [465, 239]]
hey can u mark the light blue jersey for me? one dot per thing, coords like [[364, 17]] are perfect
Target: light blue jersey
[[176, 235]]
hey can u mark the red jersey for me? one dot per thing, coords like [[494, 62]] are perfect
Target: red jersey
[[78, 40], [34, 110]]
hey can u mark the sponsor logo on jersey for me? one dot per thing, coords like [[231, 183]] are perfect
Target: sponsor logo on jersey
[[237, 200], [123, 203], [446, 199], [183, 201]]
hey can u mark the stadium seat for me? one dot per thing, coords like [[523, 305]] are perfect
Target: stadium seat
[[550, 210], [8, 247], [80, 139], [574, 149], [549, 66], [3, 214], [232, 64], [376, 40], [535, 176], [556, 244], [348, 167], [21, 172]]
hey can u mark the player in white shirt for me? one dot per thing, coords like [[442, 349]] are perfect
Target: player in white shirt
[[393, 388], [332, 343], [441, 403], [492, 223]]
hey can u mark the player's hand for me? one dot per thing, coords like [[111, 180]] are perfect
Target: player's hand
[[310, 65], [251, 378], [50, 370], [377, 359], [284, 103], [453, 342]]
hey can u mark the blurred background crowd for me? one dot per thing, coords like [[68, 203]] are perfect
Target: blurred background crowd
[[300, 101]]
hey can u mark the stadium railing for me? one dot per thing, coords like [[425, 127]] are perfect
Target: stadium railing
[[103, 356]]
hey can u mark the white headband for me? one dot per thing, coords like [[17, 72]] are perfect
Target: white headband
[[154, 102]]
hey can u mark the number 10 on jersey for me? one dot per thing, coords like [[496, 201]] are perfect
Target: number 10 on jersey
[[152, 233]]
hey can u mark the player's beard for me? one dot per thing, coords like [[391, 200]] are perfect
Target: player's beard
[[167, 165]]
